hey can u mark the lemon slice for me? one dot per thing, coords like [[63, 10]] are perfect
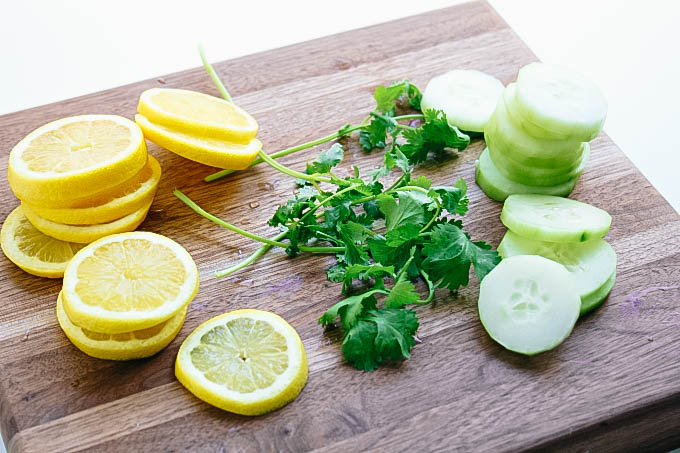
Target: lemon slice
[[84, 234], [208, 151], [75, 157], [128, 281], [121, 346], [197, 114], [33, 251], [247, 362], [138, 192]]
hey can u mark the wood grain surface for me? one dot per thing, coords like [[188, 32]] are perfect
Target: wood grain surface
[[614, 385]]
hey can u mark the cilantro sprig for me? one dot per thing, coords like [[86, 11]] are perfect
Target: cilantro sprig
[[393, 245]]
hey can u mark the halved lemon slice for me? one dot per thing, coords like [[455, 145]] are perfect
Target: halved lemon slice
[[197, 114], [84, 234], [208, 151], [128, 281], [121, 346], [75, 157], [33, 251], [138, 192], [247, 362]]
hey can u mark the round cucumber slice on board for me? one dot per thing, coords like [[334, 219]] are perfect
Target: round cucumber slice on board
[[591, 264], [595, 299], [468, 97], [528, 304], [507, 134], [531, 129], [498, 187], [560, 100], [554, 219], [537, 176]]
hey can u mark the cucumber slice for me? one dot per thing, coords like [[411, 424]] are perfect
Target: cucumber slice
[[595, 299], [538, 176], [554, 219], [532, 129], [498, 187], [528, 304], [506, 133], [591, 264], [468, 97], [560, 100]]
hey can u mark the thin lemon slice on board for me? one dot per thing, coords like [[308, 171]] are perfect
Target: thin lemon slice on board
[[128, 281], [197, 114], [247, 362], [84, 234], [121, 346], [74, 157], [33, 251], [138, 192], [208, 151]]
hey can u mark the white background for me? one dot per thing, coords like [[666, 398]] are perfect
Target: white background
[[53, 50]]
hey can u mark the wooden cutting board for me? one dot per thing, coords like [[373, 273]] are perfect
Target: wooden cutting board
[[614, 385]]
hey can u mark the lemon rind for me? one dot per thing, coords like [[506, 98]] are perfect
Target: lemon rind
[[97, 319], [285, 388]]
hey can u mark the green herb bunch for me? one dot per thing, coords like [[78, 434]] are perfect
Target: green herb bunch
[[385, 239]]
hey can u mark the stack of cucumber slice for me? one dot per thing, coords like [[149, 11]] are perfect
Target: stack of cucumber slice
[[555, 267], [537, 138]]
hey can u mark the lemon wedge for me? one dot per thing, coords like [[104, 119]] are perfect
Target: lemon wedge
[[33, 251], [208, 151], [128, 198], [128, 281], [248, 362], [197, 114], [84, 234], [121, 346], [75, 157]]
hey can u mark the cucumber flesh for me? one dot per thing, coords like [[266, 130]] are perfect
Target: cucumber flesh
[[595, 299], [554, 219], [507, 134], [530, 128], [537, 176], [468, 97], [591, 264], [528, 304], [560, 100], [498, 187]]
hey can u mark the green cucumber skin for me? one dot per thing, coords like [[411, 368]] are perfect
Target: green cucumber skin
[[545, 233], [597, 298], [496, 191]]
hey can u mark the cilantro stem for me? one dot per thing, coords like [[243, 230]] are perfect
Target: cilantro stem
[[222, 173], [324, 201], [199, 210], [430, 289], [287, 151], [251, 259], [213, 75], [296, 174]]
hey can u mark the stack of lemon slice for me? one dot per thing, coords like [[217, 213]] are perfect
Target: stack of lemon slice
[[199, 127], [79, 179], [125, 296]]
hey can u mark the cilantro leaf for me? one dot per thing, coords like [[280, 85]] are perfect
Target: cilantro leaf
[[385, 97], [402, 293], [454, 198], [381, 336], [401, 234], [409, 210], [374, 134], [433, 136], [352, 234], [450, 253], [365, 272], [328, 159], [350, 309]]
